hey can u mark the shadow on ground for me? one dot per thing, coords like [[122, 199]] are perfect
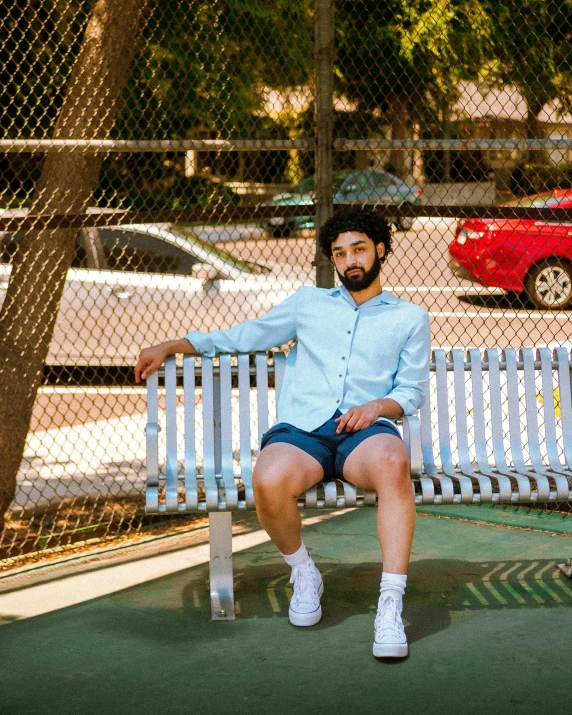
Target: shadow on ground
[[437, 590]]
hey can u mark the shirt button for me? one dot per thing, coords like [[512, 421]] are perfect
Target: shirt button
[[337, 402], [343, 358], [356, 310], [349, 332], [339, 375]]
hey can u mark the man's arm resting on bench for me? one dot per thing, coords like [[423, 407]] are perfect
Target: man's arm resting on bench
[[151, 359]]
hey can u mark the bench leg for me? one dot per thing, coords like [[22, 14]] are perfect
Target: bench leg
[[221, 577]]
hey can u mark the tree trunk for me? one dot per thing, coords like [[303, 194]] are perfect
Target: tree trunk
[[66, 186], [399, 114], [535, 130]]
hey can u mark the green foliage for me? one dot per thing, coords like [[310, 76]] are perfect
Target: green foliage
[[529, 179], [204, 67], [155, 182], [39, 41], [419, 49], [533, 49]]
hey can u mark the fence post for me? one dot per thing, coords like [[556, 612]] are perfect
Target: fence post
[[323, 129]]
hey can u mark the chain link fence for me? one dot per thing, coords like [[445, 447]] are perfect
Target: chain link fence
[[163, 167]]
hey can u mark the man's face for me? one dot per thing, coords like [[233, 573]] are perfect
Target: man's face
[[357, 260]]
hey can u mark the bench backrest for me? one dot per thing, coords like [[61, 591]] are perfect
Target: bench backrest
[[494, 424]]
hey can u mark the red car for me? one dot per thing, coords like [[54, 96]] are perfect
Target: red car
[[520, 255]]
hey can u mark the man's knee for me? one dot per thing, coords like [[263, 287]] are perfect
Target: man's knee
[[384, 465], [271, 481], [283, 471]]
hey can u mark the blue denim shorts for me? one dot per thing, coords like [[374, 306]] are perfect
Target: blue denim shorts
[[330, 449]]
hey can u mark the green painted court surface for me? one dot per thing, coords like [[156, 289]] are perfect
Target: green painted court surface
[[488, 617]]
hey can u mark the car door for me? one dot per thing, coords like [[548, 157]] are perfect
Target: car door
[[142, 294]]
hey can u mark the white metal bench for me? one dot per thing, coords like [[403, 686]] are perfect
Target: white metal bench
[[496, 427]]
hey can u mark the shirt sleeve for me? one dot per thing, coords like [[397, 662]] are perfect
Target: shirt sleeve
[[276, 327], [413, 368]]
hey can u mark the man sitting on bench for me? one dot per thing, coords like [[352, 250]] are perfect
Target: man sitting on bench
[[360, 360]]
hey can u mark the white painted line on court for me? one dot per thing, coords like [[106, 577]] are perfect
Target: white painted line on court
[[505, 314], [71, 590], [80, 390]]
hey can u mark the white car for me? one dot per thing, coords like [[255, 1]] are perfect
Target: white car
[[136, 285]]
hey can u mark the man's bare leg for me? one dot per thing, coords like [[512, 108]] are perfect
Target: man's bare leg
[[282, 473], [380, 463]]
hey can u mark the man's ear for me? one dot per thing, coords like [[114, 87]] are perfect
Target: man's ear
[[380, 250]]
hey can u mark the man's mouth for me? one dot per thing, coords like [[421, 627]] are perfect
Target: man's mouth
[[354, 271]]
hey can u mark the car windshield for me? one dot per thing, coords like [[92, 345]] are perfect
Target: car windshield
[[221, 254], [539, 201]]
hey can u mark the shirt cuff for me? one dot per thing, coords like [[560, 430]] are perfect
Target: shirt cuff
[[202, 343], [407, 405]]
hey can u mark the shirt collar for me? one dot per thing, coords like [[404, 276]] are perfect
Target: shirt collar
[[384, 297]]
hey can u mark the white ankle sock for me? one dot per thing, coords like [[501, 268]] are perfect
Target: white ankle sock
[[298, 557], [395, 582]]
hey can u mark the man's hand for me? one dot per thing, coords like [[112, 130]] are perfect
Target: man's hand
[[358, 418], [151, 359]]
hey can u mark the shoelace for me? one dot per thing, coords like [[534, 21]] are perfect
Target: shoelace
[[305, 587], [388, 618]]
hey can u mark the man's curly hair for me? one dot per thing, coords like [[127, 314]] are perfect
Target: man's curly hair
[[365, 221]]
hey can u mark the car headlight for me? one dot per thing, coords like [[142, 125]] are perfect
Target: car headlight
[[464, 234]]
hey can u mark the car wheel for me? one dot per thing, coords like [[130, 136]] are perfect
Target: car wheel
[[549, 284]]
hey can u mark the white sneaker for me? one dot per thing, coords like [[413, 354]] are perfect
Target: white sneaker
[[389, 640], [305, 609]]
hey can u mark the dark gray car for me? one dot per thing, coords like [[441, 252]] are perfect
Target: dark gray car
[[361, 188]]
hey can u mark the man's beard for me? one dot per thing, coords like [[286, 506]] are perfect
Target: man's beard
[[364, 279]]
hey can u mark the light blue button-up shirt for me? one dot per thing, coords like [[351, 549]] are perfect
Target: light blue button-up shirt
[[345, 355]]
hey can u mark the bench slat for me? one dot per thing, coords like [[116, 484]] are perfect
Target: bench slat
[[262, 394], [559, 473], [564, 389], [478, 405], [226, 459], [496, 412], [444, 435], [429, 466], [172, 464], [468, 473], [209, 466], [520, 474], [152, 445], [245, 428], [191, 487]]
